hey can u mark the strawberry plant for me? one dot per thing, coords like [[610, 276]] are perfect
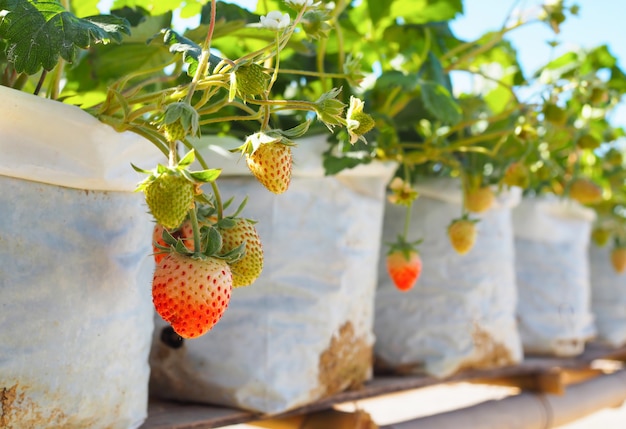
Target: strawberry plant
[[133, 71]]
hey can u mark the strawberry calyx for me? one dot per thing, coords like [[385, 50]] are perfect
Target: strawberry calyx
[[404, 246], [179, 120]]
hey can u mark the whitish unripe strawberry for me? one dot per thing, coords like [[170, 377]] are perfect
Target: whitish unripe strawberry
[[462, 235], [191, 294], [479, 200], [271, 164], [169, 198], [618, 259], [247, 269], [585, 191], [251, 80], [404, 268]]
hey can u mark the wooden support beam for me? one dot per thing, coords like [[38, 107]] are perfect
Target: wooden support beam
[[552, 380], [548, 381], [334, 419]]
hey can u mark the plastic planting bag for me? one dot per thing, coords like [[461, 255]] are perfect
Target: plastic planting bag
[[608, 297], [303, 330], [461, 313], [552, 264], [75, 271]]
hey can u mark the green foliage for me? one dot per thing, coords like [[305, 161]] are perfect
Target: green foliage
[[61, 33]]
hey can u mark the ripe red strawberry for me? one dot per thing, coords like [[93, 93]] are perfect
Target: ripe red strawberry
[[479, 200], [169, 197], [462, 235], [191, 294], [271, 164], [618, 259], [585, 191], [185, 233], [404, 267], [247, 269]]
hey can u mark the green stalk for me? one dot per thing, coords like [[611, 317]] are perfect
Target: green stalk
[[214, 187], [197, 250]]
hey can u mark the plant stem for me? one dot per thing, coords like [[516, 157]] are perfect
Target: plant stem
[[197, 251], [218, 200], [42, 78]]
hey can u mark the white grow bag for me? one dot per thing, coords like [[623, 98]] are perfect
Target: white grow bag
[[303, 330], [552, 265], [75, 305], [608, 297], [461, 312]]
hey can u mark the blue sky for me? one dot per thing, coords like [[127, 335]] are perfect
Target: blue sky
[[598, 22]]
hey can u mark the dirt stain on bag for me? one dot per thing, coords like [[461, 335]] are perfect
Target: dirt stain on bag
[[346, 363]]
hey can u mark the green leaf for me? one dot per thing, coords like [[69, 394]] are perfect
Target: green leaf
[[140, 170], [378, 9], [228, 12], [440, 103], [206, 175], [59, 33], [333, 164], [214, 241], [423, 11], [188, 159], [179, 44], [85, 7], [153, 7], [297, 131]]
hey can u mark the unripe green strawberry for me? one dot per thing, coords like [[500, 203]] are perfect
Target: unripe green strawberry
[[462, 234], [585, 191], [170, 197], [271, 164], [366, 123], [618, 259], [174, 131], [517, 174], [184, 233], [404, 268], [251, 80], [479, 200], [191, 294], [247, 269], [179, 120]]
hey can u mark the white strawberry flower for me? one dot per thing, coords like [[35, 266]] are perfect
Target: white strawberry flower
[[275, 20], [298, 4], [357, 121]]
